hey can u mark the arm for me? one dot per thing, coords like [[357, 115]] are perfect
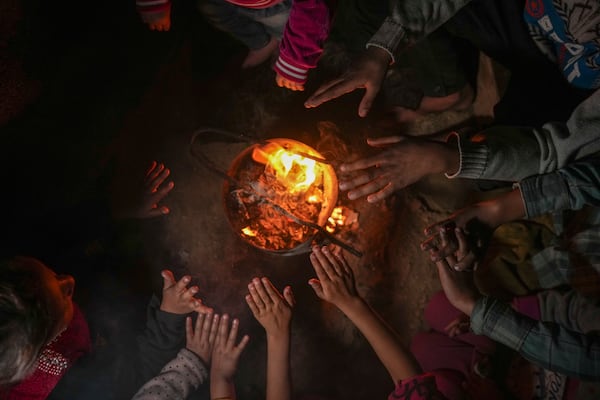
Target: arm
[[180, 377], [335, 284], [411, 21], [302, 42], [225, 358], [274, 312], [546, 344], [514, 153]]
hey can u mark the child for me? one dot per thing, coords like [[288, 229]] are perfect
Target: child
[[212, 340], [274, 312], [42, 331], [260, 25], [335, 284]]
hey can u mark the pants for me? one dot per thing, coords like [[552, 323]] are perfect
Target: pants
[[253, 27]]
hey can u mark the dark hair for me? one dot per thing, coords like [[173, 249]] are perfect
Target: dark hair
[[25, 321]]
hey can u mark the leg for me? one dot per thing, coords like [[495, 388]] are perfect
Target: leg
[[230, 19]]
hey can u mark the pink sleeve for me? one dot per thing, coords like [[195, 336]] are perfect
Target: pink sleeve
[[302, 43], [420, 387]]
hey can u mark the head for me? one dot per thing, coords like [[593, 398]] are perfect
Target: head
[[35, 306]]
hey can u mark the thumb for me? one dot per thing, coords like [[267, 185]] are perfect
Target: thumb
[[367, 101], [288, 295], [316, 286], [168, 279]]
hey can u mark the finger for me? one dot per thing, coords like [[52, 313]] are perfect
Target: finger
[[168, 279], [201, 308], [157, 212], [255, 296], [367, 101], [379, 183], [149, 170], [316, 286], [385, 141], [435, 228], [358, 180], [333, 261], [262, 293], [233, 333], [279, 80], [288, 295], [463, 246], [270, 290], [189, 333], [242, 345], [327, 270], [321, 274], [214, 328], [364, 163], [182, 283], [384, 193], [188, 294], [325, 87], [157, 171], [159, 179], [223, 331], [332, 92], [468, 263], [252, 305], [203, 323]]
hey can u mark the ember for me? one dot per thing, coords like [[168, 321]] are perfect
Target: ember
[[282, 190]]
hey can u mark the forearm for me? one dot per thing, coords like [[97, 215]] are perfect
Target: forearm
[[221, 388], [278, 367], [384, 341]]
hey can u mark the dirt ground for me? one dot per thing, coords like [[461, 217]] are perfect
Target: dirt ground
[[110, 101]]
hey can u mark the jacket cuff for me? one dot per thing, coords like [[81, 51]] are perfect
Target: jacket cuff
[[290, 70], [388, 37], [473, 158], [152, 6]]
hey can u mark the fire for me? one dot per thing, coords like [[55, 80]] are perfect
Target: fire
[[341, 216], [284, 187], [294, 171]]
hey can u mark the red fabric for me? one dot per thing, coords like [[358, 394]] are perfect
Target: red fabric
[[151, 6], [420, 387], [302, 43], [71, 344], [257, 4]]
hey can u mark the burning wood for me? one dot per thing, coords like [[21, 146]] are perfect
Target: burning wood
[[280, 183]]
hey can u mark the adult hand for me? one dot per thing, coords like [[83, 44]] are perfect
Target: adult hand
[[226, 352], [335, 283], [272, 310], [454, 245], [201, 338], [158, 21], [177, 298], [286, 83], [403, 162], [368, 73], [458, 286]]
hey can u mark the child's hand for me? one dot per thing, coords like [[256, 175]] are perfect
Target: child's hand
[[177, 298], [286, 83], [226, 353], [272, 310], [452, 244], [458, 286], [335, 282], [458, 326], [201, 339], [157, 21]]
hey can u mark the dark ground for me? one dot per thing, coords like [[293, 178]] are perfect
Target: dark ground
[[90, 97]]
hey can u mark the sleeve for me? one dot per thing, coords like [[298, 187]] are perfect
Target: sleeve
[[180, 377], [162, 337], [412, 20], [418, 387], [152, 6], [571, 310], [569, 188], [515, 153], [546, 344], [302, 42]]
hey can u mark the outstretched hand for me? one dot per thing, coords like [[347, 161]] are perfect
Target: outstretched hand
[[335, 279], [272, 310], [226, 352], [402, 162], [201, 337], [177, 298], [158, 21], [368, 73]]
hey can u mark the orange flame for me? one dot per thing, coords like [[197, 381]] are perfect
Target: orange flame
[[296, 172]]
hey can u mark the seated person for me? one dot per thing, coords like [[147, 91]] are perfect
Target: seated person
[[43, 332]]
